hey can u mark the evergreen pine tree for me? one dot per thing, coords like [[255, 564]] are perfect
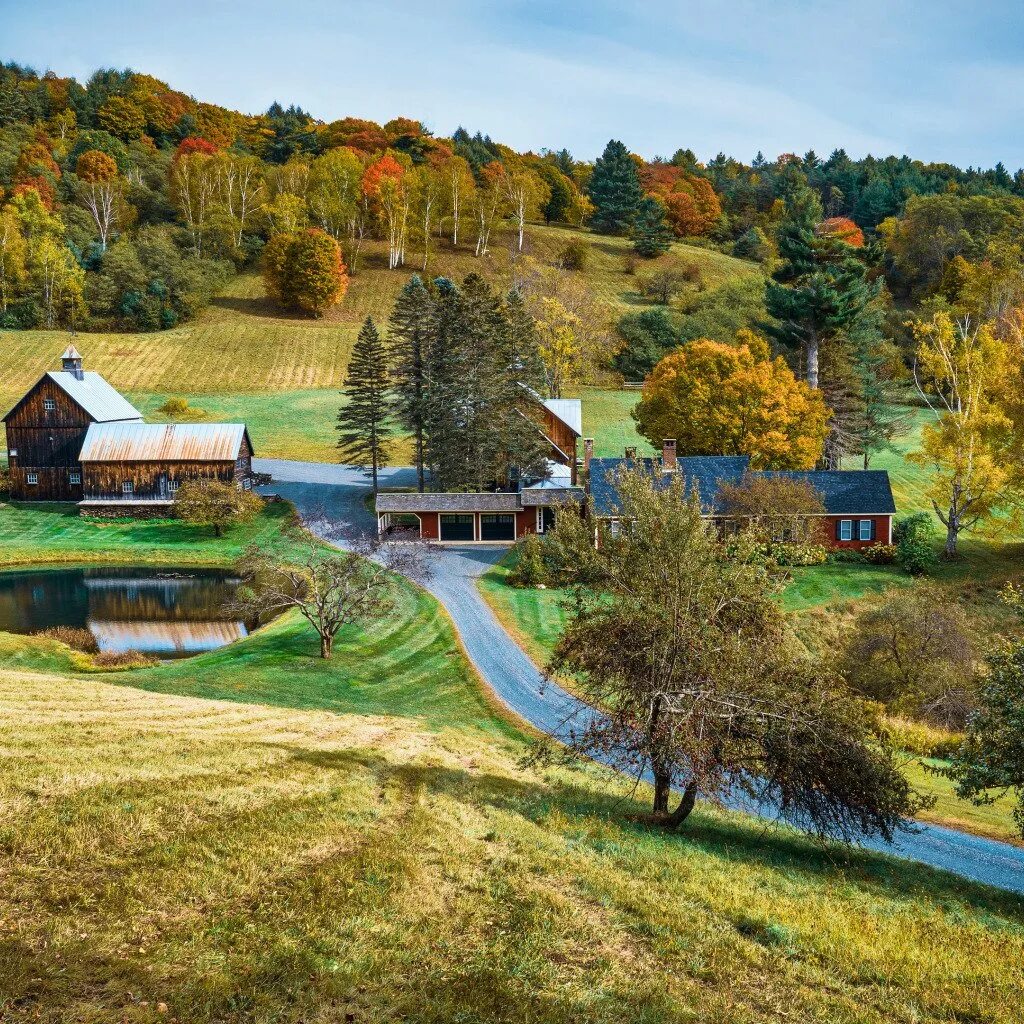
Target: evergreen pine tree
[[819, 290], [651, 233], [363, 419], [880, 417], [615, 190], [409, 339], [522, 349]]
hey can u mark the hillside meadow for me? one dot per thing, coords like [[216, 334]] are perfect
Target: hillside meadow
[[243, 359], [255, 835]]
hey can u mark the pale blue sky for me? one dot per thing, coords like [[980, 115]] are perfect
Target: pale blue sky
[[937, 80]]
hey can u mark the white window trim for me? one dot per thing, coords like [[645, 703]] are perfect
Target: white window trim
[[49, 405], [32, 478], [861, 523], [845, 526], [74, 477], [127, 487]]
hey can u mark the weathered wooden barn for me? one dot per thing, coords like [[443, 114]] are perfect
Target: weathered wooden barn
[[137, 468], [74, 438], [46, 430]]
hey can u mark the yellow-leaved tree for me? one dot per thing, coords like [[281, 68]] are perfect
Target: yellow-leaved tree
[[718, 399], [966, 374], [560, 346]]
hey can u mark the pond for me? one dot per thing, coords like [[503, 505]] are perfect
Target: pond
[[165, 613]]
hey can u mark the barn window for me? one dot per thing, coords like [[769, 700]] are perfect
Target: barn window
[[74, 478], [173, 485], [32, 478], [844, 529], [866, 529], [127, 487], [49, 405]]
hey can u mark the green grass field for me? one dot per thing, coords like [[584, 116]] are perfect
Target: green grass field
[[257, 836], [35, 533]]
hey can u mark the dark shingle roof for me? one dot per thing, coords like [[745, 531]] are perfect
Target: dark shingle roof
[[843, 492], [503, 501]]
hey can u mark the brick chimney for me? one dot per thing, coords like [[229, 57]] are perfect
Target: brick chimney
[[588, 453], [71, 362], [668, 455]]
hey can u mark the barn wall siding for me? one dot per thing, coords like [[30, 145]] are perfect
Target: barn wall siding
[[107, 479], [47, 443]]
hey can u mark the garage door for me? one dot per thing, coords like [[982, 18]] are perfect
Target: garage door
[[498, 526], [457, 527]]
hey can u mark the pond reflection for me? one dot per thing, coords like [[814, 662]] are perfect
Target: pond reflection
[[167, 613]]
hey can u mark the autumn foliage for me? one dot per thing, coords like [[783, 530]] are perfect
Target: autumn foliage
[[844, 229], [95, 166], [718, 399], [304, 271], [194, 144]]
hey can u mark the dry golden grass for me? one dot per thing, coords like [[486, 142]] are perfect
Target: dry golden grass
[[170, 858]]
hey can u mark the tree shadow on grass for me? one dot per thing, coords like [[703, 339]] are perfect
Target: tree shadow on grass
[[727, 836], [262, 307]]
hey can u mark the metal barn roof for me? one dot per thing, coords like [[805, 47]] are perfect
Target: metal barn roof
[[568, 410], [163, 442], [438, 501], [95, 396]]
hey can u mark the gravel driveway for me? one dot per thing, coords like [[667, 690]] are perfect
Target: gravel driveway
[[339, 491]]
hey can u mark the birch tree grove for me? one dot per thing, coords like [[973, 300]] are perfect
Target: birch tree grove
[[459, 187], [101, 191], [193, 190], [525, 193], [385, 185], [241, 188], [488, 203]]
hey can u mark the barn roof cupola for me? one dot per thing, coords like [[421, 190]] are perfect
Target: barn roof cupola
[[71, 362]]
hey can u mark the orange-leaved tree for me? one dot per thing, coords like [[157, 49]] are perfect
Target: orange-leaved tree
[[718, 399], [100, 191], [385, 186], [305, 271]]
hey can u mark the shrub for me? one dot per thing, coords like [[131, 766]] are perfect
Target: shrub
[[664, 285], [799, 554], [5, 483], [123, 659], [529, 569], [881, 554], [175, 406], [74, 637], [921, 739], [912, 537], [575, 255], [629, 264]]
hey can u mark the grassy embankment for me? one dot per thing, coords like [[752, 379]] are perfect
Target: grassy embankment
[[242, 360], [264, 836]]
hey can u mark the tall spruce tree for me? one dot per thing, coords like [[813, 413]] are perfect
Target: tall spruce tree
[[479, 432], [363, 419], [651, 233], [409, 339], [819, 290], [615, 191]]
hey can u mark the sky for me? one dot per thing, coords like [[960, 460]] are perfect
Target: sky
[[936, 80]]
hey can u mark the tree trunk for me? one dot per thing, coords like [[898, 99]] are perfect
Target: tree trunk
[[662, 789], [682, 812], [326, 643], [952, 531], [812, 361], [421, 482]]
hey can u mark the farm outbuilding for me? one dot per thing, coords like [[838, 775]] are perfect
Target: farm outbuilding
[[73, 437]]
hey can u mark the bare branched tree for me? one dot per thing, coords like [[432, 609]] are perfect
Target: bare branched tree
[[330, 587]]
